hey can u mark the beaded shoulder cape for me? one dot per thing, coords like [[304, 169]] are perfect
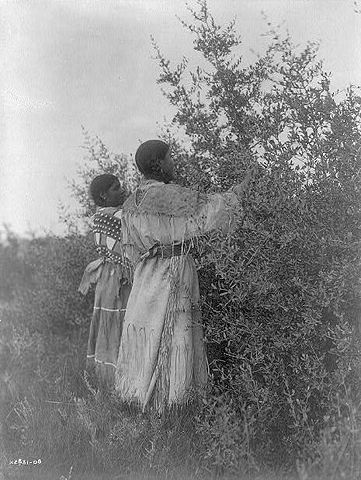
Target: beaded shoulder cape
[[165, 199], [107, 230]]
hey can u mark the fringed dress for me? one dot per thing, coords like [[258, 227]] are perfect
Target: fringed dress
[[112, 279], [162, 359]]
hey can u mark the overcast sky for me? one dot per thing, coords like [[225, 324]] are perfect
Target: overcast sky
[[67, 63]]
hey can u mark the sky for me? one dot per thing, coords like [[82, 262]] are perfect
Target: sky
[[73, 63]]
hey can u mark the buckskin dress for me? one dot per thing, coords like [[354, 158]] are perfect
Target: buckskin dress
[[112, 278], [162, 357]]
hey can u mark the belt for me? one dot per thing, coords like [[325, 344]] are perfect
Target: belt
[[166, 251]]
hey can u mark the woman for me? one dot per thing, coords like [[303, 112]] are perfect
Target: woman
[[162, 358]]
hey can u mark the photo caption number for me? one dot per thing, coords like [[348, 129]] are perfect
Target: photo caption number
[[20, 461]]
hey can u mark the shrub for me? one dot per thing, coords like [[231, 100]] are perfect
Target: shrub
[[43, 333], [282, 296]]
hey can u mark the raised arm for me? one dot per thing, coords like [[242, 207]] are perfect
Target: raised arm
[[218, 212], [220, 209]]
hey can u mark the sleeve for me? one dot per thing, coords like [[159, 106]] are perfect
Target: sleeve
[[219, 211], [91, 275]]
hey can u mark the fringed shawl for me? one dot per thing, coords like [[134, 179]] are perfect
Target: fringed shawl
[[165, 199], [169, 214]]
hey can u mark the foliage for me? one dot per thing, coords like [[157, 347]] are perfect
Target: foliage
[[53, 267], [284, 293], [13, 271], [98, 160], [42, 330]]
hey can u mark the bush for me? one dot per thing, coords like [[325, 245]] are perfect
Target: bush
[[282, 296], [43, 334]]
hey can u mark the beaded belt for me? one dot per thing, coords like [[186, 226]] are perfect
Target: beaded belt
[[166, 251]]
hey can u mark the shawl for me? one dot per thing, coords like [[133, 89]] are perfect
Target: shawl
[[166, 199]]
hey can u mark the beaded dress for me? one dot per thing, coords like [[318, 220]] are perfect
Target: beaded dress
[[112, 279]]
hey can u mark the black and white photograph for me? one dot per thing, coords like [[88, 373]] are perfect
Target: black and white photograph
[[180, 240]]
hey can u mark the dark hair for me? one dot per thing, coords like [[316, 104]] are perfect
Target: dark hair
[[99, 186], [147, 158]]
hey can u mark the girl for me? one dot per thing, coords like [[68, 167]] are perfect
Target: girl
[[111, 276]]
